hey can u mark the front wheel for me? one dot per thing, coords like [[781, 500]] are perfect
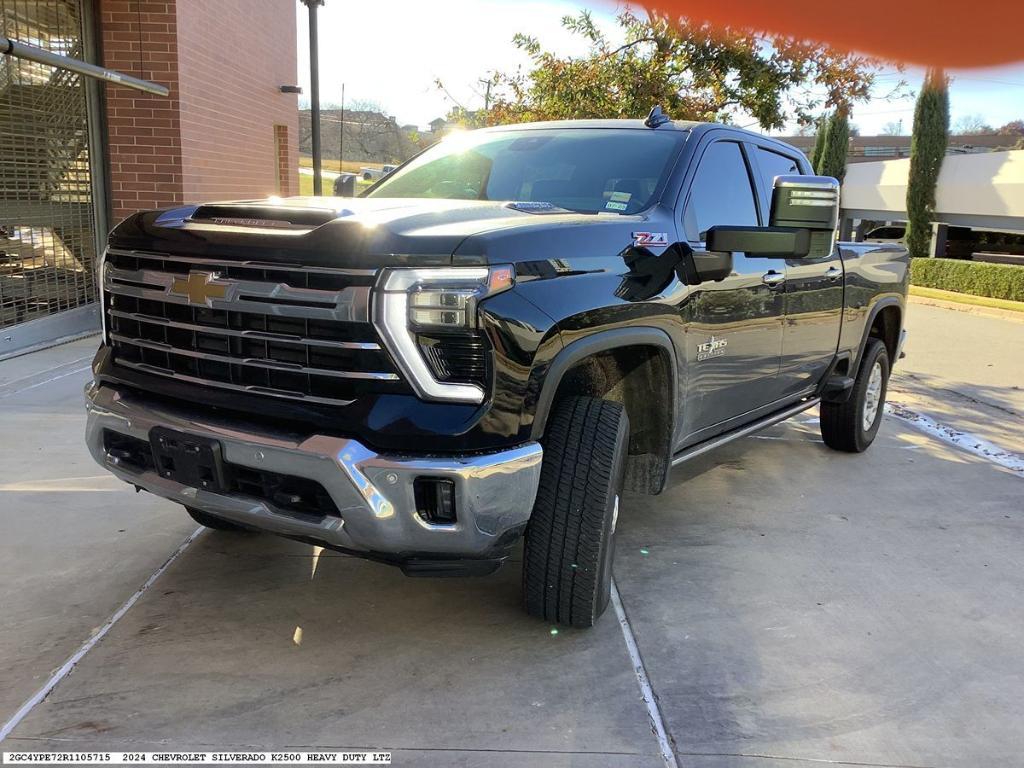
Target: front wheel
[[570, 540], [853, 425]]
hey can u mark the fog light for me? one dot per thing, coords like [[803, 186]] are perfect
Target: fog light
[[435, 500]]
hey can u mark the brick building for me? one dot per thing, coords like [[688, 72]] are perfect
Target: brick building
[[77, 156]]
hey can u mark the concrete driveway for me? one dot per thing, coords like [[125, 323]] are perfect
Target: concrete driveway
[[790, 606]]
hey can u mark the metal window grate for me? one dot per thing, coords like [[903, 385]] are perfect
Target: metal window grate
[[47, 222]]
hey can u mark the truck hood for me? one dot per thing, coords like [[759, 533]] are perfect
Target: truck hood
[[350, 232]]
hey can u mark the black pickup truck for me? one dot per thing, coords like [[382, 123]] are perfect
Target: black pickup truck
[[494, 341]]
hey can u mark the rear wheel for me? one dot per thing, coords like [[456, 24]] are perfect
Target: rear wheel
[[570, 540], [853, 425], [211, 521]]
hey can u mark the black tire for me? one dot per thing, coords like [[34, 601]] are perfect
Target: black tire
[[367, 176], [211, 521], [570, 541], [843, 424]]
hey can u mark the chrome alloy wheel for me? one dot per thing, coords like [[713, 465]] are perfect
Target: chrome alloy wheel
[[872, 396]]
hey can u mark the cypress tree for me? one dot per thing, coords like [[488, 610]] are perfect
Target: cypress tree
[[927, 149], [837, 140], [819, 142]]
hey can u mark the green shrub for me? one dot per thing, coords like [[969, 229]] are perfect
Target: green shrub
[[997, 281]]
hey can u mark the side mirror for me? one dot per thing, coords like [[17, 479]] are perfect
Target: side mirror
[[345, 185], [804, 215], [696, 267], [811, 203], [769, 242]]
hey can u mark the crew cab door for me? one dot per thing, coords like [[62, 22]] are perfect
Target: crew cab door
[[813, 293], [734, 326]]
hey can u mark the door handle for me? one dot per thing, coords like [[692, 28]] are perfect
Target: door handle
[[773, 279], [833, 273]]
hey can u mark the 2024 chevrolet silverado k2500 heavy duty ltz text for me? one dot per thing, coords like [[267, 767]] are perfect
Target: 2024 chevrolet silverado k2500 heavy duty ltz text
[[493, 341]]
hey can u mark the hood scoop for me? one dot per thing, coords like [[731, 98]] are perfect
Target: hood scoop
[[535, 207], [263, 216]]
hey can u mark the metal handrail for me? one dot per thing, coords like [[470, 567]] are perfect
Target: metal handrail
[[32, 53]]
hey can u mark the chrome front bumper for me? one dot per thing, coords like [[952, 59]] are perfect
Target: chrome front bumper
[[494, 492]]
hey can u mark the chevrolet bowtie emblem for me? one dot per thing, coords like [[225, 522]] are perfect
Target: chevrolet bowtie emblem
[[200, 287]]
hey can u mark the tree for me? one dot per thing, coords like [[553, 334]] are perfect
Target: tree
[[928, 143], [1012, 128], [819, 141], [691, 70], [832, 161], [465, 118], [893, 129], [971, 125]]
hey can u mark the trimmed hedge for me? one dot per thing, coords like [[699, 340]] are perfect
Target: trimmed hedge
[[997, 281]]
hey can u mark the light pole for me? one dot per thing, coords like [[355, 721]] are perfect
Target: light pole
[[314, 96]]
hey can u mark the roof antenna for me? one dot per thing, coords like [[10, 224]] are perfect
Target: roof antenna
[[656, 117]]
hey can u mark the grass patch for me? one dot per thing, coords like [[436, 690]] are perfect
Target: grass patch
[[966, 298], [306, 185], [349, 166], [976, 278]]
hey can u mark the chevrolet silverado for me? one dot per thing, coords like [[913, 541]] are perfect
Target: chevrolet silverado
[[490, 344]]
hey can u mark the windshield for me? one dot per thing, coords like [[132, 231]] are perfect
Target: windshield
[[589, 170]]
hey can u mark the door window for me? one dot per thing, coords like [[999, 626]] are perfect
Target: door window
[[720, 193], [773, 164]]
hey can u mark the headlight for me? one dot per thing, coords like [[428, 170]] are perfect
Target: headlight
[[421, 313]]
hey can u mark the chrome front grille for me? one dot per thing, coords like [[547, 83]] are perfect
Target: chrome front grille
[[280, 330]]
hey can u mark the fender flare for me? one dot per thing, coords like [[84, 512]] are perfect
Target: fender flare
[[876, 308], [595, 343]]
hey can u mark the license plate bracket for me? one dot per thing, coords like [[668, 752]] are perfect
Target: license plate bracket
[[197, 462]]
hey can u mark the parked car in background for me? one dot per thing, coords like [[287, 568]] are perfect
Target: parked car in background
[[891, 233], [369, 174]]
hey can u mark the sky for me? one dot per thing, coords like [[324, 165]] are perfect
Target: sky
[[393, 51]]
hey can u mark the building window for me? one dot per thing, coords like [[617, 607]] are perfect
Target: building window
[[283, 174]]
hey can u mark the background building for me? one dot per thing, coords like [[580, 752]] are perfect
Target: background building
[[77, 156], [866, 149], [979, 204]]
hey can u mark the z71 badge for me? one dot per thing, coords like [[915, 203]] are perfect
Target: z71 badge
[[711, 348], [646, 239]]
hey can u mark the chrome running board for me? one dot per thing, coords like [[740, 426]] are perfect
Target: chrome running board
[[748, 429]]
